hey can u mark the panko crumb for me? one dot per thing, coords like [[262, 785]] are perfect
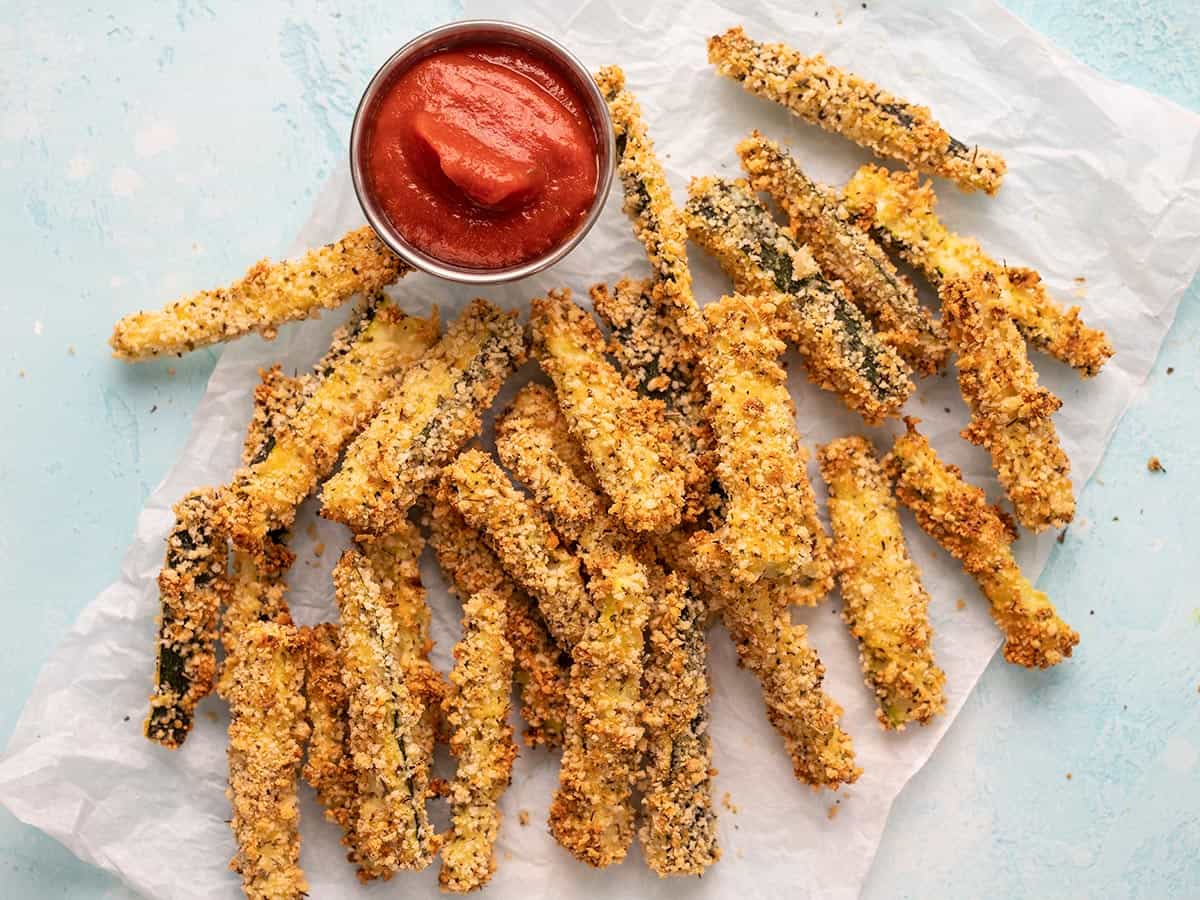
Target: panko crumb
[[523, 817], [1154, 464]]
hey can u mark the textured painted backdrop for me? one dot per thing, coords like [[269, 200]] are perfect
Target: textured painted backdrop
[[148, 147]]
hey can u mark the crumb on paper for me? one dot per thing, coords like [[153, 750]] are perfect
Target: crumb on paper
[[946, 409], [318, 549], [832, 812], [1170, 370], [210, 715], [311, 531], [523, 817], [125, 719], [1068, 776], [1154, 464], [960, 604], [728, 803]]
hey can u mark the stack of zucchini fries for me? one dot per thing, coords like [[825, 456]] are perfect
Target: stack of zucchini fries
[[653, 483]]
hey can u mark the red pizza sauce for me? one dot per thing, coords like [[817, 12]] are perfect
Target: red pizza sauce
[[482, 156]]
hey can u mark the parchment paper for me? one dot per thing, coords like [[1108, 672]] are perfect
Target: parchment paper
[[1103, 185]]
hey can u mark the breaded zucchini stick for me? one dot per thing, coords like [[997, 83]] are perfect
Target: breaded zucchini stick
[[592, 814], [777, 653], [764, 529], [679, 827], [957, 516], [885, 604], [277, 399], [269, 295], [846, 104], [480, 739], [657, 222], [1010, 411], [437, 407], [791, 674], [267, 731], [328, 766], [542, 668], [626, 438], [679, 830], [192, 586], [822, 223], [899, 211], [521, 537], [263, 496], [841, 352], [394, 696]]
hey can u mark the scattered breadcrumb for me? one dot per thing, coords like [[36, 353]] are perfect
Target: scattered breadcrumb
[[960, 604], [1154, 464], [832, 813], [523, 817]]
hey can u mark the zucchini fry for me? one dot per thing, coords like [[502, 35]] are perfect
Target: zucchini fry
[[1010, 411], [267, 731], [957, 516], [192, 587], [592, 814], [841, 352], [437, 407], [277, 399], [542, 668], [679, 827], [394, 697], [480, 739], [264, 495], [679, 830], [777, 653], [761, 468], [899, 211], [328, 766], [886, 606], [625, 437], [839, 101], [791, 674], [269, 295], [846, 252], [657, 221], [521, 537]]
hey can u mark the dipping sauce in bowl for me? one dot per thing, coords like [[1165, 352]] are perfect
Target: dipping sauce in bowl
[[482, 156]]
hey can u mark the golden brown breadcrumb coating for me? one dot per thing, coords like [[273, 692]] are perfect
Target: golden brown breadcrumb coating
[[437, 406], [277, 399], [761, 468], [267, 731], [522, 538], [957, 516], [841, 352], [264, 495], [328, 765], [592, 814], [192, 586], [899, 211], [394, 698], [269, 295], [777, 653], [1010, 411], [625, 437], [542, 668], [846, 104], [481, 741], [823, 224], [531, 436], [678, 830], [657, 221], [884, 602]]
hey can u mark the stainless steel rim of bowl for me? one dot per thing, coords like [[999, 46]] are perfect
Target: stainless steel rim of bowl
[[450, 35]]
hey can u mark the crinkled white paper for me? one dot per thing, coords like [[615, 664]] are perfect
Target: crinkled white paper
[[1103, 185]]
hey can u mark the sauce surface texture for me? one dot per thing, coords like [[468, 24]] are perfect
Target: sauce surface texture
[[482, 156]]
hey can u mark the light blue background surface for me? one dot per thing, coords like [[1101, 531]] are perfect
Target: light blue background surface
[[144, 146]]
